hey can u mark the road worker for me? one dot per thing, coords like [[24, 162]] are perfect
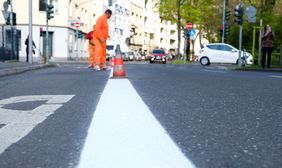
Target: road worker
[[91, 60], [101, 33]]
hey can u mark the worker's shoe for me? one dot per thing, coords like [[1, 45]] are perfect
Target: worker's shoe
[[105, 68], [97, 68]]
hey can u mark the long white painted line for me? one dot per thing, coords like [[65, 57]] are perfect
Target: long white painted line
[[275, 76], [125, 134]]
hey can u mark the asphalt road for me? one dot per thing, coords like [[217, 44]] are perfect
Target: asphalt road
[[57, 141], [218, 118]]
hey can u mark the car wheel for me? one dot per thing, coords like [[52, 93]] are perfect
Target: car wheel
[[164, 62], [204, 61], [151, 62]]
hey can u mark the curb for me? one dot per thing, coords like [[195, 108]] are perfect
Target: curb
[[18, 70], [258, 70]]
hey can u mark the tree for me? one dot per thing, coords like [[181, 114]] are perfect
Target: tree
[[182, 11]]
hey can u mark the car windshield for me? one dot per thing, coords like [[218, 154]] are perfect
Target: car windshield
[[158, 52], [110, 47]]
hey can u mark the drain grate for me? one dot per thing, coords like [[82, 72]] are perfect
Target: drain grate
[[2, 125]]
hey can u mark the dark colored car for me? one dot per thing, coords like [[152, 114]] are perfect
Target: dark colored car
[[158, 55], [5, 54]]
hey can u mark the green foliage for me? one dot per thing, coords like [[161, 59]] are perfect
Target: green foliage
[[207, 15]]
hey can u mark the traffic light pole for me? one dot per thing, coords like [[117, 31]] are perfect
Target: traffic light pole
[[240, 46], [47, 42], [223, 21], [260, 37], [12, 29], [47, 34], [76, 44]]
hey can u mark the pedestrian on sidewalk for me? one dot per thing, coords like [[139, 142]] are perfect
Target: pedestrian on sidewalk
[[101, 33], [27, 46], [267, 45]]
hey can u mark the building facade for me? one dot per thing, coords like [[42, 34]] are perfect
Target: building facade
[[135, 25]]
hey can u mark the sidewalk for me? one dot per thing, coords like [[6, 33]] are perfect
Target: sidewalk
[[10, 68], [274, 69], [247, 68]]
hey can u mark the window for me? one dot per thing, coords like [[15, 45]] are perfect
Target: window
[[213, 47], [43, 3], [158, 52], [225, 48], [110, 47]]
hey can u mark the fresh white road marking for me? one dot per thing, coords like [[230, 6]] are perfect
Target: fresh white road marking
[[275, 76], [18, 123], [125, 134]]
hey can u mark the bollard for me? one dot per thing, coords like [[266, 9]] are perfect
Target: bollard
[[281, 55]]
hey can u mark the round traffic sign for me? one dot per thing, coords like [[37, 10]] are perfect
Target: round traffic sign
[[251, 11], [189, 26], [76, 25], [192, 32]]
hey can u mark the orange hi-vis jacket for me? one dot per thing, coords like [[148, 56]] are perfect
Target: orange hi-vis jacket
[[100, 34], [102, 28]]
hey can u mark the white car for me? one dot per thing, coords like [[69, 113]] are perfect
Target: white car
[[221, 53]]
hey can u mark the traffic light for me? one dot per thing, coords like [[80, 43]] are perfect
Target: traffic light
[[50, 11], [8, 20], [110, 2], [226, 31], [14, 18], [227, 15], [239, 12]]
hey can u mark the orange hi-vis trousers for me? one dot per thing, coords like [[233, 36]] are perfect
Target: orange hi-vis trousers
[[100, 53], [91, 60]]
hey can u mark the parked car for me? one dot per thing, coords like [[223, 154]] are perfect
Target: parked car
[[130, 55], [137, 56], [158, 55], [125, 57], [221, 53], [110, 51], [5, 54]]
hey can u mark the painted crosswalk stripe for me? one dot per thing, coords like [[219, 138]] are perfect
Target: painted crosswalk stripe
[[125, 134]]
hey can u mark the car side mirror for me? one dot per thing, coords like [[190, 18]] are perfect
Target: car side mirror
[[233, 51]]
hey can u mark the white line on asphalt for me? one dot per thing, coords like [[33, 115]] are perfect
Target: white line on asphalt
[[125, 134], [275, 76], [18, 123], [213, 71]]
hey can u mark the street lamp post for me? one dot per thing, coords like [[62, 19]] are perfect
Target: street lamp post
[[30, 45]]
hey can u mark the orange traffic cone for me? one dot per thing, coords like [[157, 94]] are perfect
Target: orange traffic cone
[[119, 70]]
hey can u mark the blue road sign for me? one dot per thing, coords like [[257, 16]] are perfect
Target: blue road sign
[[192, 32]]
